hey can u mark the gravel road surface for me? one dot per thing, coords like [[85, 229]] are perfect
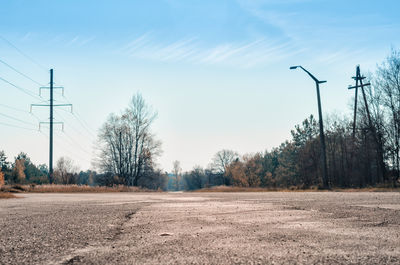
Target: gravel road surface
[[201, 228]]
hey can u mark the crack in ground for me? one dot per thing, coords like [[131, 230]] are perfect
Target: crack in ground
[[73, 260], [118, 231]]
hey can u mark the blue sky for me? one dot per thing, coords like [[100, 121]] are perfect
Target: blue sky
[[216, 71]]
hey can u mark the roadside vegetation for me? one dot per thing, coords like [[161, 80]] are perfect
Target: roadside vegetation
[[71, 188], [7, 195], [294, 189]]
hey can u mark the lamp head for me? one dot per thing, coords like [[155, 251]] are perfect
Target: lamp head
[[293, 67]]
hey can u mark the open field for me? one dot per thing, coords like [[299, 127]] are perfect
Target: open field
[[213, 228]]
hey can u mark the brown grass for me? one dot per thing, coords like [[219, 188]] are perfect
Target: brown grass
[[369, 189], [294, 189], [7, 195], [240, 189], [70, 189]]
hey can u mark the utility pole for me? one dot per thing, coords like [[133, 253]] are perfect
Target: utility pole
[[51, 129], [355, 103], [325, 179], [359, 79], [51, 122]]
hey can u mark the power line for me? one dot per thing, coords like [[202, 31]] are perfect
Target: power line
[[24, 75], [77, 144], [74, 128], [26, 91], [82, 122], [77, 131], [16, 126], [10, 117], [24, 54], [70, 152], [20, 110], [36, 117], [13, 108], [63, 148]]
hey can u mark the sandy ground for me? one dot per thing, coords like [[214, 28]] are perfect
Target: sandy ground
[[201, 228]]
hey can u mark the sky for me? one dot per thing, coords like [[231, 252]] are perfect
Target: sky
[[217, 72]]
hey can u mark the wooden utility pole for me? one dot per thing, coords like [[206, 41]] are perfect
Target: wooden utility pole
[[359, 79]]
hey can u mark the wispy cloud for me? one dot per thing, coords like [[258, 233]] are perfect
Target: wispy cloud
[[86, 41], [75, 41], [72, 41], [192, 50], [27, 36]]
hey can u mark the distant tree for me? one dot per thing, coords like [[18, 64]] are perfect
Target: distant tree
[[86, 177], [4, 168], [128, 148], [246, 172], [219, 163], [177, 171], [269, 164], [155, 180], [286, 174], [387, 93], [32, 173], [1, 178], [195, 179], [18, 171], [307, 155], [213, 178], [4, 165], [107, 179], [65, 171], [44, 169]]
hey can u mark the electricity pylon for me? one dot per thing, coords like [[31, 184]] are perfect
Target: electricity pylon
[[51, 121]]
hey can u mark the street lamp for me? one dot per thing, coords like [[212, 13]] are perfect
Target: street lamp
[[321, 127]]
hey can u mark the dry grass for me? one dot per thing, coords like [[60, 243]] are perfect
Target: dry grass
[[70, 189], [370, 189], [294, 189], [7, 195], [241, 189]]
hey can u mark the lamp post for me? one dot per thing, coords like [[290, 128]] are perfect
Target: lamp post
[[321, 127]]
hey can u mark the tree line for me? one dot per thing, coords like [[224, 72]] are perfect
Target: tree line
[[24, 171]]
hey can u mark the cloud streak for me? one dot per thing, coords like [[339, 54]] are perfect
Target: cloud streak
[[244, 54]]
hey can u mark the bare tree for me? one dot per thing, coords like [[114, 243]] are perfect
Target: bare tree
[[65, 171], [195, 179], [177, 171], [220, 161], [128, 147], [387, 84]]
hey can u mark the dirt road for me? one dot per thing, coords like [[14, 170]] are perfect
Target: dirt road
[[201, 228]]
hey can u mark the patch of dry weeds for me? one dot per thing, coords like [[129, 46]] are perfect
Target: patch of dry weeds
[[7, 195]]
